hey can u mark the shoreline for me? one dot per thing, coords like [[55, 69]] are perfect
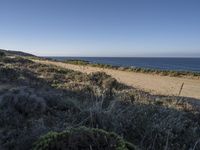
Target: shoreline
[[152, 83], [171, 73]]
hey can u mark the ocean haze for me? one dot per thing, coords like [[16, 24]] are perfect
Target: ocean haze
[[119, 53]]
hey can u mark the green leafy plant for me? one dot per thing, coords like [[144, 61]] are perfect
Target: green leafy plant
[[82, 138]]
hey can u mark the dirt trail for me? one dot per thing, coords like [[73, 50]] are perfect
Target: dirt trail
[[155, 84]]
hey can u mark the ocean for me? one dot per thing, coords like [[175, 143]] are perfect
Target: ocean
[[176, 64]]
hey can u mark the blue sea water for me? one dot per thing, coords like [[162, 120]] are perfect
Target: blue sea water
[[177, 64]]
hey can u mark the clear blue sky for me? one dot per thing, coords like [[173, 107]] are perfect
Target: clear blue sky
[[101, 27]]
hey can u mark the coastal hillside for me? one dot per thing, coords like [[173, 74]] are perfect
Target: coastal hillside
[[170, 83], [14, 53], [44, 106]]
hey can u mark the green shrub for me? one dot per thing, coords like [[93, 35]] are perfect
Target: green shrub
[[77, 62], [82, 138]]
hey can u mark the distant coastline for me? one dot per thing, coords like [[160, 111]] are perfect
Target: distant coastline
[[158, 82], [191, 68]]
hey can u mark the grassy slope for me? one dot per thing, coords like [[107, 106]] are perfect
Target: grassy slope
[[36, 99], [15, 53]]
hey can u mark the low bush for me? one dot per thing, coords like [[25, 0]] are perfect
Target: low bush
[[84, 139], [25, 105], [77, 62], [8, 74], [97, 78], [2, 54], [105, 81]]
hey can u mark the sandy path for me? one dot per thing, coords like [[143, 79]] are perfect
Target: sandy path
[[155, 84]]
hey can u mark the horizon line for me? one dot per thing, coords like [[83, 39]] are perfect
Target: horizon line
[[125, 56], [24, 51]]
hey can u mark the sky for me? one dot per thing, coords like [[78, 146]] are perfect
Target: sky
[[104, 28]]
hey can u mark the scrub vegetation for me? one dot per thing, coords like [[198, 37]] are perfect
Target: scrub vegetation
[[46, 107], [2, 54], [84, 139]]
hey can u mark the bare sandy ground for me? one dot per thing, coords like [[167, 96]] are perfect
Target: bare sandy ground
[[155, 84]]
